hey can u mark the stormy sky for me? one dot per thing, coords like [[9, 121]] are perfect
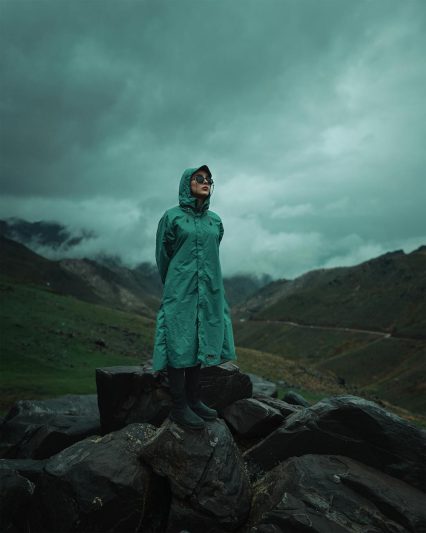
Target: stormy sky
[[309, 113]]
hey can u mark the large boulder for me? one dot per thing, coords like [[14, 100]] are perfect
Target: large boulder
[[333, 493], [252, 418], [100, 485], [224, 384], [129, 394], [207, 476], [349, 426], [38, 429]]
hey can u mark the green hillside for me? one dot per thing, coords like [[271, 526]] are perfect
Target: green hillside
[[387, 293], [389, 367], [52, 343]]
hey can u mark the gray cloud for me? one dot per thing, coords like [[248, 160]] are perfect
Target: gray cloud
[[310, 115]]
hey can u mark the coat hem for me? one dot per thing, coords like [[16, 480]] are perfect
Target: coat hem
[[203, 364]]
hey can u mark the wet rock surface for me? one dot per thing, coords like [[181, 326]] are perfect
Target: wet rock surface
[[129, 394], [265, 465], [328, 493], [206, 473], [252, 418], [350, 426], [99, 484], [37, 429]]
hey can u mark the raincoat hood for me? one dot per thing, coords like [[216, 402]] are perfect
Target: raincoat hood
[[186, 199]]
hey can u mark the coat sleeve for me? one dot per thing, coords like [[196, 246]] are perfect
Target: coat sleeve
[[164, 248], [221, 230]]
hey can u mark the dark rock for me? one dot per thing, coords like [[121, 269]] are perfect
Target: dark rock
[[295, 399], [29, 468], [101, 343], [129, 394], [38, 429], [100, 485], [252, 418], [262, 385], [349, 426], [224, 384], [69, 404], [333, 493], [286, 409], [209, 483], [15, 498]]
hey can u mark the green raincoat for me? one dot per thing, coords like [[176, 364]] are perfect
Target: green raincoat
[[193, 322]]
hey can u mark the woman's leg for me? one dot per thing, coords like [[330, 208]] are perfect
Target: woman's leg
[[180, 412], [192, 385]]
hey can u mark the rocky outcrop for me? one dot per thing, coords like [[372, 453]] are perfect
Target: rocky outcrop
[[128, 394], [350, 426], [265, 465], [333, 493]]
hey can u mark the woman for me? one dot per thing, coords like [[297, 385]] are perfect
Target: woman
[[194, 327]]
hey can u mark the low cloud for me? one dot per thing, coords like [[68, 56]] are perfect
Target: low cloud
[[311, 117]]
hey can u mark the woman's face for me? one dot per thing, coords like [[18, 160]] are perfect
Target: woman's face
[[200, 190]]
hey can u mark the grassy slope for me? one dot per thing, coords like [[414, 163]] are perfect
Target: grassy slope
[[48, 342], [386, 293], [396, 367], [48, 348]]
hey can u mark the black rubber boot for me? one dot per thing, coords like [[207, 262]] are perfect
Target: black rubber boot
[[180, 412], [192, 385]]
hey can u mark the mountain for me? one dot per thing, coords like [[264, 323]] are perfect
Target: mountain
[[387, 293], [106, 274], [366, 324], [104, 280], [241, 286], [42, 233], [22, 264], [135, 290]]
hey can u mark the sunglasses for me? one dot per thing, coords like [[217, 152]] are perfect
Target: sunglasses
[[200, 179]]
